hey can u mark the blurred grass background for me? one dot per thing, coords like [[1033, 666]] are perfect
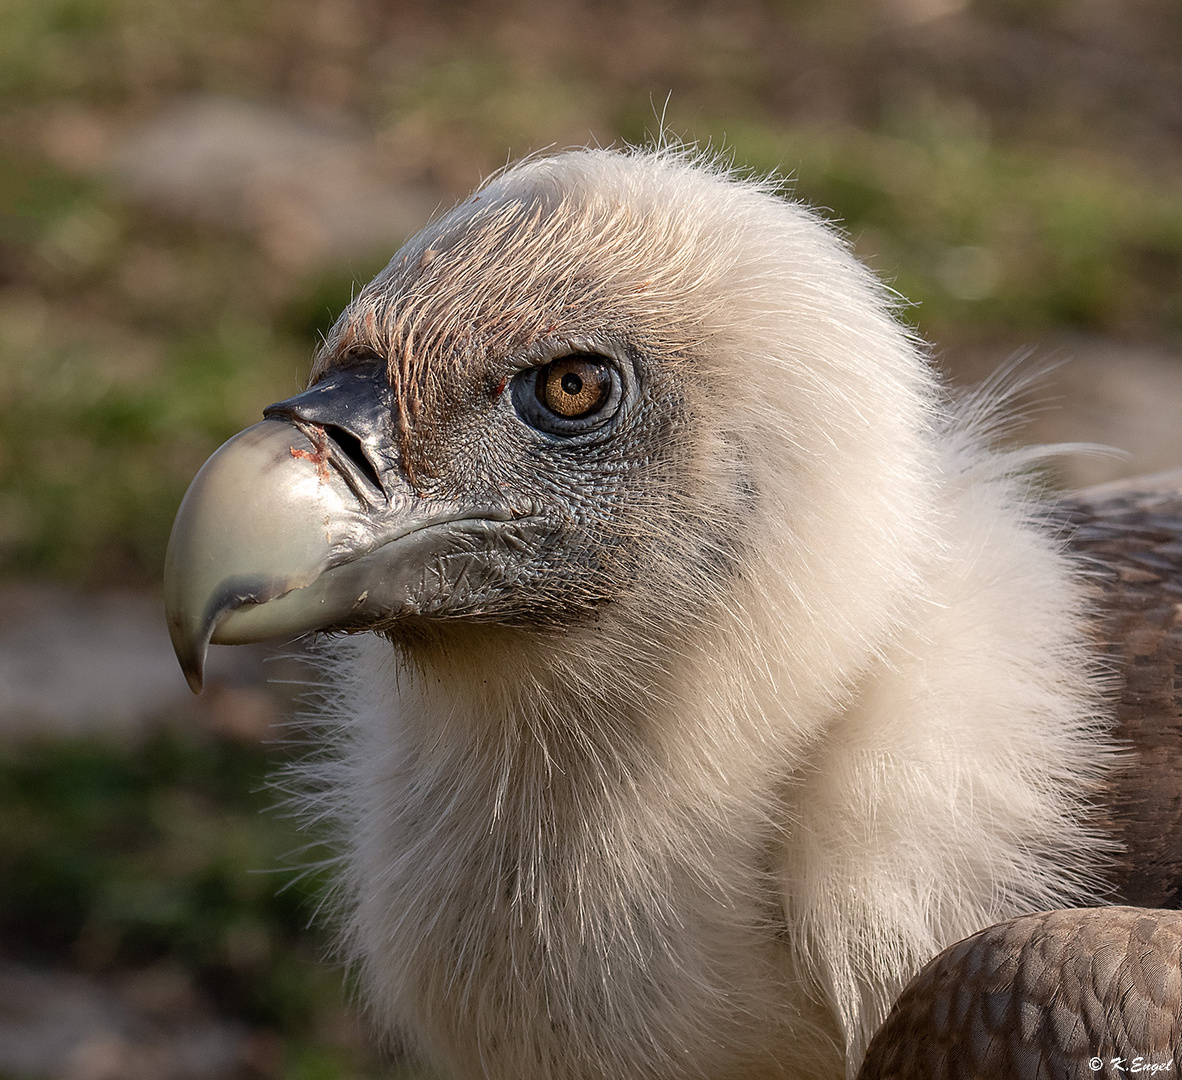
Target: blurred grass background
[[1013, 167]]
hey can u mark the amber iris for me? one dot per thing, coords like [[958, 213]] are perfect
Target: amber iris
[[574, 386]]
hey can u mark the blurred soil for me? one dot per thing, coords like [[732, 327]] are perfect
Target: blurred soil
[[72, 663], [311, 192], [152, 1026]]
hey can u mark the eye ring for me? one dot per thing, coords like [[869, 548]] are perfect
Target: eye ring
[[570, 395]]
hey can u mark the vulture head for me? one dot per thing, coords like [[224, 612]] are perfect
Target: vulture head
[[584, 401], [718, 676]]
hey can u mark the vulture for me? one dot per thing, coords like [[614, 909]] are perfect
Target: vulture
[[701, 674]]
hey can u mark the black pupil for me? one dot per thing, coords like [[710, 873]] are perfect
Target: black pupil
[[571, 383]]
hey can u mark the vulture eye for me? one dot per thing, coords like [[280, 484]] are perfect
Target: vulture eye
[[570, 395], [574, 386]]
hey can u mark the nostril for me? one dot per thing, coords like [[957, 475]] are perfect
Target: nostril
[[351, 447]]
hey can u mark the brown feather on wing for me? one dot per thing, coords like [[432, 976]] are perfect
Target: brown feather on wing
[[1130, 537], [1060, 995]]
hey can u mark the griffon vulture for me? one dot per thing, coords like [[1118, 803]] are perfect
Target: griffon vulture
[[720, 675]]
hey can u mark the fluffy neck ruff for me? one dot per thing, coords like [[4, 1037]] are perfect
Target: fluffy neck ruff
[[713, 832], [566, 858]]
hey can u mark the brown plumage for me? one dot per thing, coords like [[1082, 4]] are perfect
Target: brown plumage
[[1059, 995], [1130, 535]]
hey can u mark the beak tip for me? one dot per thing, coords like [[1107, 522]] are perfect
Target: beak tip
[[195, 675], [190, 645]]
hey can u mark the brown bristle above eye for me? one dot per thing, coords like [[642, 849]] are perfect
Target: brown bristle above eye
[[574, 386]]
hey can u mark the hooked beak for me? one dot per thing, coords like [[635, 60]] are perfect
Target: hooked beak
[[302, 522]]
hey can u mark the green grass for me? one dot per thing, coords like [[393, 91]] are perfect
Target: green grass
[[129, 349], [168, 852], [113, 51], [983, 238]]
